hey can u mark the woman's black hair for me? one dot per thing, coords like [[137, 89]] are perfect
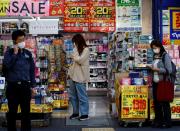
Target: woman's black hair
[[158, 43], [80, 42]]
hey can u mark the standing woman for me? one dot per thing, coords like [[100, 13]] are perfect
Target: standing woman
[[160, 68], [79, 75]]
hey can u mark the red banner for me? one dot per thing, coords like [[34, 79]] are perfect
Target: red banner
[[56, 7], [76, 16], [102, 16]]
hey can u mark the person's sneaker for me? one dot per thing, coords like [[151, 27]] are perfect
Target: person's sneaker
[[166, 125], [74, 116], [83, 118]]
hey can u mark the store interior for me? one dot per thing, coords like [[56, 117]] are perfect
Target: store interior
[[120, 86]]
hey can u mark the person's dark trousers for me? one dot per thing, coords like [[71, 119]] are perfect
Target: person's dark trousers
[[162, 109], [18, 94]]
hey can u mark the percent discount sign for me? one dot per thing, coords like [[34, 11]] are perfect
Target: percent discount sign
[[76, 16], [102, 16], [134, 102]]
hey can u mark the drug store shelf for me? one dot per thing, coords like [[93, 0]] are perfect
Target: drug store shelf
[[98, 67], [98, 80], [98, 53], [97, 89], [99, 60]]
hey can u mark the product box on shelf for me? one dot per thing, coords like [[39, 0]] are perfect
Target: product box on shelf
[[57, 104], [4, 107], [56, 87], [47, 108], [36, 108], [143, 55]]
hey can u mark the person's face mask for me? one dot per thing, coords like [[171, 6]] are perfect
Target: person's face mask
[[21, 45], [156, 51]]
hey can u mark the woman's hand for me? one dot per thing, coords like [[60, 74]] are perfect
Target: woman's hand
[[153, 69]]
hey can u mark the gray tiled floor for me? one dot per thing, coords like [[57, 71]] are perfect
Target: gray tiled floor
[[98, 109]]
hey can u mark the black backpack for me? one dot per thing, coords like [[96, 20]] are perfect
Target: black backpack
[[174, 70]]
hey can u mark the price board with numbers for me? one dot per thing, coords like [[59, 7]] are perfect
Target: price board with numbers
[[175, 109], [102, 16], [76, 16], [134, 101]]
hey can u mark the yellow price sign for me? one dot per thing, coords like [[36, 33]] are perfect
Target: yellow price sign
[[176, 20]]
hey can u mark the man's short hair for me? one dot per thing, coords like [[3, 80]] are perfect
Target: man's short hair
[[17, 33]]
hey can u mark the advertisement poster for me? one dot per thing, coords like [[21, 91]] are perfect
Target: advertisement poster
[[102, 16], [166, 39], [175, 109], [134, 101], [128, 2], [9, 27], [166, 35], [56, 7], [76, 16], [129, 16], [165, 17], [175, 24], [43, 26], [24, 8]]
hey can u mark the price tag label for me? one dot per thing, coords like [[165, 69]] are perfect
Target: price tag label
[[134, 101]]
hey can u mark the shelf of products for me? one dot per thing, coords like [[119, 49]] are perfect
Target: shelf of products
[[56, 57], [98, 63], [124, 71]]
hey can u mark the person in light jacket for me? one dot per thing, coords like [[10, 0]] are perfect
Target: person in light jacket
[[160, 68], [79, 75]]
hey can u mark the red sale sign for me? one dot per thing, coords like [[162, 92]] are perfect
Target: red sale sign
[[56, 7], [102, 16], [76, 16]]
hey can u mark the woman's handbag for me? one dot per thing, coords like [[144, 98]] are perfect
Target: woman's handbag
[[165, 91]]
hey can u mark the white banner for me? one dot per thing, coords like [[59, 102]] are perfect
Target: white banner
[[43, 26]]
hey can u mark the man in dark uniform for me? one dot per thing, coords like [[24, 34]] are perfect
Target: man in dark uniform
[[20, 76]]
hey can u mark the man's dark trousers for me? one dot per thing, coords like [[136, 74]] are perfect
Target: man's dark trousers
[[18, 93]]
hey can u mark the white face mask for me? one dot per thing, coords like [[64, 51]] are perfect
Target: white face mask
[[21, 45], [156, 51]]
